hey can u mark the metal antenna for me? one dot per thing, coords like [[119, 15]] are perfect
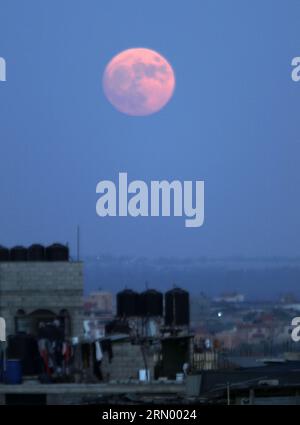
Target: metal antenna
[[78, 243]]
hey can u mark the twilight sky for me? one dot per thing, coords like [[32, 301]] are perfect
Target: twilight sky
[[233, 122]]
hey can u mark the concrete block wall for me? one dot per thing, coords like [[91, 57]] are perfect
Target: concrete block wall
[[126, 362]]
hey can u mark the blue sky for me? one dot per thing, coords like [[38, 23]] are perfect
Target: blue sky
[[233, 122]]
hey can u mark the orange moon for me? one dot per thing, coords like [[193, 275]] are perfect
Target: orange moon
[[138, 81]]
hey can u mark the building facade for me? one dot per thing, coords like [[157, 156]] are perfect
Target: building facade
[[41, 291]]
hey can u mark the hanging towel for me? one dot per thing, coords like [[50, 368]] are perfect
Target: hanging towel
[[99, 354]]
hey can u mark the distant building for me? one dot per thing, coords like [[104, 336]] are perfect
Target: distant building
[[98, 311], [101, 302], [231, 297], [32, 292], [288, 298]]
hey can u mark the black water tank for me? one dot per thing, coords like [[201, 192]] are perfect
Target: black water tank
[[127, 303], [4, 253], [177, 307], [18, 253], [36, 252], [57, 252], [151, 303]]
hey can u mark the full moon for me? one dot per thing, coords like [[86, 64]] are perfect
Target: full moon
[[138, 81]]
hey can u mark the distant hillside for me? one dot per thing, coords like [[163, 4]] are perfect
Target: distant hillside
[[256, 278]]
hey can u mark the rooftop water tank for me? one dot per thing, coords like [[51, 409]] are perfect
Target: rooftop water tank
[[4, 253], [177, 307], [18, 253], [151, 303], [36, 252], [127, 303], [57, 252]]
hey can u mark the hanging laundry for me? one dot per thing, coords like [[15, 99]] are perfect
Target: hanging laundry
[[99, 355]]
